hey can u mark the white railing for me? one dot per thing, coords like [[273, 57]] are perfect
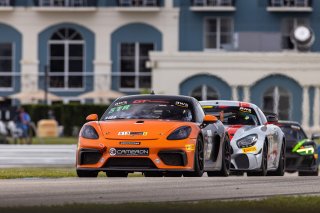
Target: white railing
[[289, 3], [138, 3], [213, 3], [64, 3]]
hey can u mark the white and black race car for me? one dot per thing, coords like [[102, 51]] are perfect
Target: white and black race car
[[258, 148]]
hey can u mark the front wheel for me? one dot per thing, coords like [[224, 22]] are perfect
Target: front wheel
[[87, 173], [198, 160], [225, 163]]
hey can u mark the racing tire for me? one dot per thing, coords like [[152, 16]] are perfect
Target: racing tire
[[226, 161], [153, 174], [198, 160], [87, 173], [282, 164], [117, 174], [264, 163]]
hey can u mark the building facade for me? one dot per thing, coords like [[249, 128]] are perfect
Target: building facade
[[210, 49]]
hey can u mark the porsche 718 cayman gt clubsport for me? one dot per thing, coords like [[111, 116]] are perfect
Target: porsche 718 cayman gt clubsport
[[157, 135], [258, 148]]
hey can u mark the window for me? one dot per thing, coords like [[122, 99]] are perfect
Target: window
[[66, 59], [289, 3], [138, 3], [204, 93], [6, 65], [134, 73], [218, 33], [212, 3], [288, 25], [277, 100], [65, 3]]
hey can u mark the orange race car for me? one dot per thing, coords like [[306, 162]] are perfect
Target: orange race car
[[154, 134]]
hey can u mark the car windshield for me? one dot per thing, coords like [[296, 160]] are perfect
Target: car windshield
[[149, 109], [293, 133], [231, 115]]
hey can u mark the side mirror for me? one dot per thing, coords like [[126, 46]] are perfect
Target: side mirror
[[272, 118], [92, 117], [315, 136], [209, 119]]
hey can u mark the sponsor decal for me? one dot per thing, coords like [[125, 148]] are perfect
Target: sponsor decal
[[244, 109], [207, 107], [121, 103], [249, 149], [149, 101], [133, 133], [128, 152], [129, 143], [181, 104], [190, 147], [119, 108], [112, 151]]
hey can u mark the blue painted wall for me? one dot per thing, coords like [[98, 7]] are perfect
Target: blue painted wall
[[11, 35], [250, 16], [223, 89], [136, 32], [89, 39], [291, 85]]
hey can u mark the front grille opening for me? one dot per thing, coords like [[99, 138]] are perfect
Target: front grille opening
[[242, 161], [139, 163], [90, 157], [173, 158]]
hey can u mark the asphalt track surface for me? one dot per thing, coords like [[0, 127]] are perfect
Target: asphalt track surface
[[30, 192]]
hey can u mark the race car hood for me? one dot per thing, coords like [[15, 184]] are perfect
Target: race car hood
[[238, 130], [138, 129]]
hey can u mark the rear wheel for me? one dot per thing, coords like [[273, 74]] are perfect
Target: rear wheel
[[87, 173], [225, 163], [264, 163], [116, 174], [282, 163], [198, 160]]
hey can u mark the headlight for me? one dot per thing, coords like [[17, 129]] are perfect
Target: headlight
[[180, 133], [89, 132], [247, 141]]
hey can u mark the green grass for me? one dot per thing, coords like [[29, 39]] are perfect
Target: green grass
[[12, 173], [276, 204], [59, 140]]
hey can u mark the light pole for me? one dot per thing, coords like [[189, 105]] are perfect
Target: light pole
[[46, 81]]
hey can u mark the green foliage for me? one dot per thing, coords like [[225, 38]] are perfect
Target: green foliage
[[68, 115]]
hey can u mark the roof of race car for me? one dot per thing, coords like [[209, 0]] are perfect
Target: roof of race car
[[227, 103], [170, 97], [288, 123]]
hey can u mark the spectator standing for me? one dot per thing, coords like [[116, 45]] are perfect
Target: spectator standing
[[23, 122]]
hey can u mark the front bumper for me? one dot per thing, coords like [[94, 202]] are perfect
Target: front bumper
[[303, 163], [241, 161], [162, 156]]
